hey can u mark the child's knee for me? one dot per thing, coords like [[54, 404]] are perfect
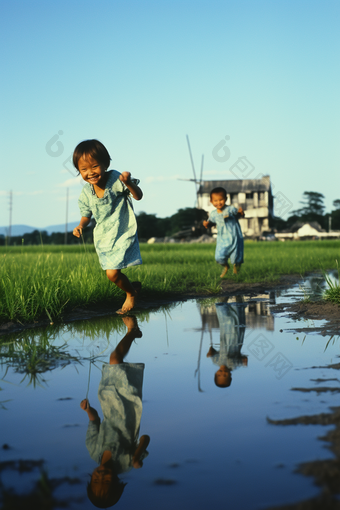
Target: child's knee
[[113, 274]]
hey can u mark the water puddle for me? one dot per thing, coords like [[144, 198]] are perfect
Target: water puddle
[[205, 385]]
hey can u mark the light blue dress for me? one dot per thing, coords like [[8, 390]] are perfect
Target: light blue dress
[[120, 396], [115, 233], [232, 321], [229, 236]]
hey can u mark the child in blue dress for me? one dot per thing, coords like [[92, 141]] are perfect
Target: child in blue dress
[[106, 197], [229, 235]]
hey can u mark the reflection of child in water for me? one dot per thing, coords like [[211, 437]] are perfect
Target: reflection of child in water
[[231, 318], [113, 444]]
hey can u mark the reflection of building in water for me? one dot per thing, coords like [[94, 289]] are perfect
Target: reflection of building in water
[[257, 313]]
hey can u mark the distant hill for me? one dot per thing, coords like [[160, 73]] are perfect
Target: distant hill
[[19, 230]]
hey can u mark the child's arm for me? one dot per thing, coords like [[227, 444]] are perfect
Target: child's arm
[[91, 412], [82, 224], [135, 190], [234, 213], [240, 213], [211, 352], [208, 223]]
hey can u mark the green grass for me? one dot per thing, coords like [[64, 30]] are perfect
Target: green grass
[[332, 293], [45, 281]]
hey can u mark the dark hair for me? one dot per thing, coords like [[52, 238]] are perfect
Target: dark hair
[[113, 496], [218, 190], [92, 148]]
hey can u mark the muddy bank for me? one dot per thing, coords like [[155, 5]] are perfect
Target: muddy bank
[[228, 288], [326, 473], [320, 310]]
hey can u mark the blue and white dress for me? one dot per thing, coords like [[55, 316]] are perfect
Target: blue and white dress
[[120, 396], [115, 233], [229, 236], [232, 321]]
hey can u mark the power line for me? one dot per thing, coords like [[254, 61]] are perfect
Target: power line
[[9, 231], [66, 221]]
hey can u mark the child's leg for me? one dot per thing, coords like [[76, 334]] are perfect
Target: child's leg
[[122, 281], [237, 268], [133, 332], [225, 270], [143, 444]]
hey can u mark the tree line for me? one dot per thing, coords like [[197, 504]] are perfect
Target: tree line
[[312, 209], [188, 221]]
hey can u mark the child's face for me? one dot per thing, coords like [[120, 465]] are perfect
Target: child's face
[[91, 171], [101, 480], [223, 377], [218, 200]]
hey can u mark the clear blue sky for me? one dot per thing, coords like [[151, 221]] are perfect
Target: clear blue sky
[[140, 75]]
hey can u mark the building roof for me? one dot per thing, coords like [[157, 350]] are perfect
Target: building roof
[[299, 225], [237, 185]]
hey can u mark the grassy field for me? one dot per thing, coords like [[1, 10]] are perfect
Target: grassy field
[[37, 281]]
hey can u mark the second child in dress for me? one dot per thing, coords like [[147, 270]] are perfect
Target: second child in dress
[[106, 197], [229, 235]]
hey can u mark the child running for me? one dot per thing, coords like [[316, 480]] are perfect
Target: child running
[[229, 234], [106, 196]]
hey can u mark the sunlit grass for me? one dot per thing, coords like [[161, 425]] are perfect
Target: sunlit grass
[[332, 293], [45, 281]]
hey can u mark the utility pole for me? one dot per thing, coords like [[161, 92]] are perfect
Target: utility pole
[[66, 222], [10, 218]]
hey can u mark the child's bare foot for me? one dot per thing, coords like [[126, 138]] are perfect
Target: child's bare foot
[[237, 268], [130, 301], [224, 272], [128, 304], [131, 323]]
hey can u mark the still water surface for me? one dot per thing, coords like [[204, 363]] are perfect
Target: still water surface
[[209, 445]]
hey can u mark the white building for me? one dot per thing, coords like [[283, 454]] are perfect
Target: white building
[[253, 195]]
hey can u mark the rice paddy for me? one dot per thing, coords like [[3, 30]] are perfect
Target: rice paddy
[[46, 281]]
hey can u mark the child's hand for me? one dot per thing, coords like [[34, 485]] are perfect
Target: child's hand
[[205, 223], [240, 211], [125, 177], [78, 231], [84, 404], [211, 352]]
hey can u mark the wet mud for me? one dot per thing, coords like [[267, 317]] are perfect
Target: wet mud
[[228, 288], [319, 310], [326, 473]]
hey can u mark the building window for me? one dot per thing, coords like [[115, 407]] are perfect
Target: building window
[[249, 200], [233, 198]]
